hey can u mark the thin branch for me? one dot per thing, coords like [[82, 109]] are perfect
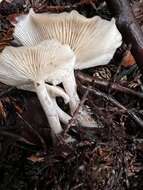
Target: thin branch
[[60, 8], [5, 92], [34, 131], [18, 6], [116, 103], [15, 137], [128, 27], [84, 78], [75, 114]]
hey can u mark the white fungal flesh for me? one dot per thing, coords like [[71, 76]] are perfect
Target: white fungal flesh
[[94, 40], [84, 117], [48, 107], [57, 91], [63, 116], [27, 65], [27, 37], [54, 92], [71, 88], [53, 63]]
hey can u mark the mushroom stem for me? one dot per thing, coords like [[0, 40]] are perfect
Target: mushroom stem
[[48, 107], [52, 90], [84, 118], [71, 89], [57, 91], [63, 116]]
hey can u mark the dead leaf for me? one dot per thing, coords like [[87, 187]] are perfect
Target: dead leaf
[[35, 158], [128, 60]]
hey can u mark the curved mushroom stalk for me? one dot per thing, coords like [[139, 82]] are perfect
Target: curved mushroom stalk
[[57, 91], [53, 91], [63, 116], [48, 107], [46, 95], [71, 89], [84, 118]]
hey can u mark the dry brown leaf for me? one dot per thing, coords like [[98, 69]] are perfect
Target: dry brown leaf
[[128, 60], [35, 158]]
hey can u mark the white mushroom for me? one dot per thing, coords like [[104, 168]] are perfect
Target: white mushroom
[[94, 41], [35, 65]]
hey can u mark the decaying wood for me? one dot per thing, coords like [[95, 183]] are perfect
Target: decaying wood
[[129, 27]]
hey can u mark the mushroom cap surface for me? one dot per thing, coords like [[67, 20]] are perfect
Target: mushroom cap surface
[[94, 40], [49, 61]]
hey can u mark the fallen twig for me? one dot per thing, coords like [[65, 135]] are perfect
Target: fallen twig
[[18, 6], [138, 11], [129, 27], [116, 103], [34, 131], [60, 8], [15, 137], [75, 114], [84, 78], [5, 92]]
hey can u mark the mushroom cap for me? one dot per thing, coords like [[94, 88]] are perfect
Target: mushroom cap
[[49, 61], [94, 40]]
